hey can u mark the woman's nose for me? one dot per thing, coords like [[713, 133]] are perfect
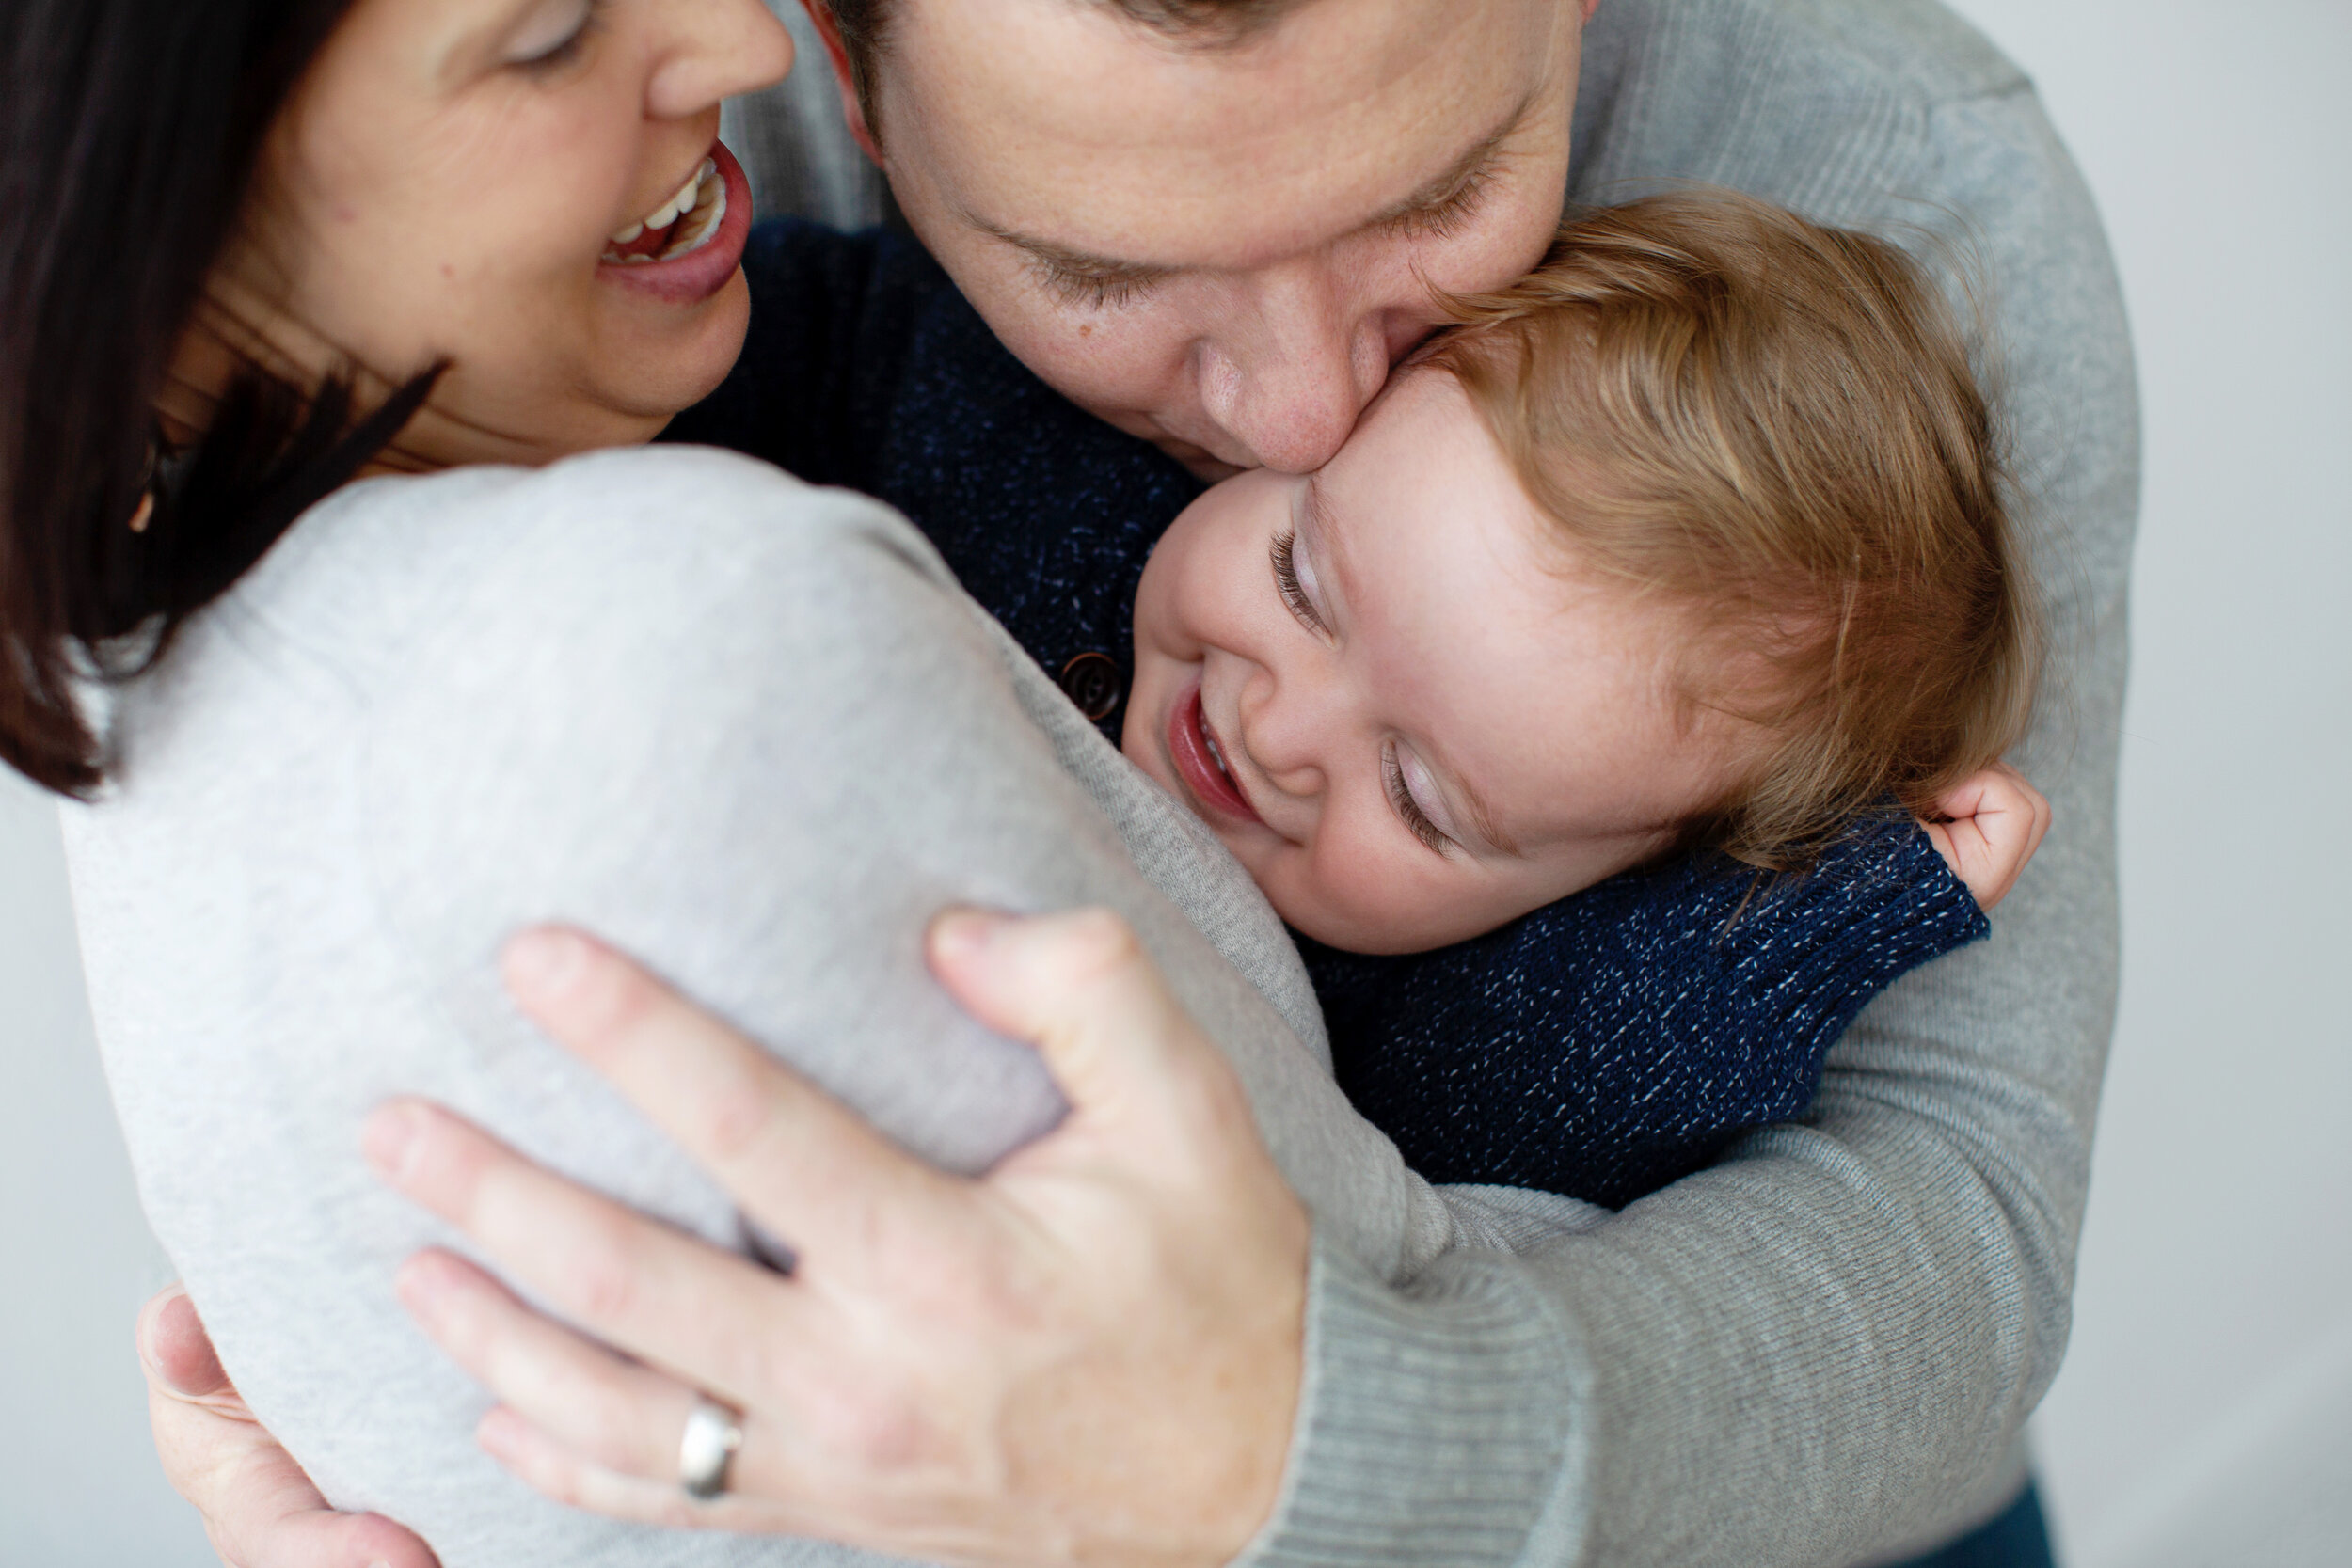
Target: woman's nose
[[719, 49], [1288, 379]]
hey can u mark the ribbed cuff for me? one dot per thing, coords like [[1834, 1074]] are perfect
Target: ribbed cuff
[[1434, 1419], [1879, 905]]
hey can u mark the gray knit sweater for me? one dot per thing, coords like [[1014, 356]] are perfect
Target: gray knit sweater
[[753, 733]]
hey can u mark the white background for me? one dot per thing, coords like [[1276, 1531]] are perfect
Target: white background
[[2204, 1417]]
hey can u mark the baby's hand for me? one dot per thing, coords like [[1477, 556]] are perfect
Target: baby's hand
[[1993, 822]]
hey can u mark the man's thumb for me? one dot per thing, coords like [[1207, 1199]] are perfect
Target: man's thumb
[[1077, 985]]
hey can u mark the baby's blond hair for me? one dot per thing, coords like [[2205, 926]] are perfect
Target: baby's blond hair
[[1773, 425]]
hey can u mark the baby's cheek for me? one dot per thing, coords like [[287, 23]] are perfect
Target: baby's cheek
[[1358, 903]]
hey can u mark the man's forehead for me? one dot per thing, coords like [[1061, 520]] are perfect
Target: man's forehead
[[1062, 121]]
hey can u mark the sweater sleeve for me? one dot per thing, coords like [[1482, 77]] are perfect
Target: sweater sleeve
[[1612, 1042], [458, 704], [1821, 1349]]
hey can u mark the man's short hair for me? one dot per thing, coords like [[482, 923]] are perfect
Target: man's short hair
[[1192, 24]]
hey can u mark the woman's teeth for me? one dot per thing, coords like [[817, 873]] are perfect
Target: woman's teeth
[[694, 213]]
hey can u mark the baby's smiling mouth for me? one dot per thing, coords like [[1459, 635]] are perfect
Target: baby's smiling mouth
[[680, 226], [1217, 753], [1199, 761]]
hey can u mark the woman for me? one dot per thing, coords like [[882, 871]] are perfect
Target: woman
[[485, 316], [547, 364], [356, 245]]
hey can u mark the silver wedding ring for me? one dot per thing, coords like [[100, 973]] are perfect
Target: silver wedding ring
[[713, 1432]]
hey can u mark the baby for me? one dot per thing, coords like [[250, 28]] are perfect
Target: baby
[[1686, 551], [1690, 540], [1682, 556]]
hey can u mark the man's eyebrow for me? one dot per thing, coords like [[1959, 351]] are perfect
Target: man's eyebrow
[[1436, 194], [1070, 261], [1433, 197]]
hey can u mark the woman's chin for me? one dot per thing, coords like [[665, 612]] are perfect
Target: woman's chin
[[667, 373]]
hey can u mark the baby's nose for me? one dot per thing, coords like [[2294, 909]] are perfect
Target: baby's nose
[[1282, 734]]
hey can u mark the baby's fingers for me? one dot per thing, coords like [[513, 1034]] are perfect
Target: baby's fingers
[[1994, 822]]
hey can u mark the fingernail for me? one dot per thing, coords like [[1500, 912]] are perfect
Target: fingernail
[[181, 1355], [545, 961], [389, 1138], [962, 931], [501, 1434], [182, 1313], [422, 1283], [163, 1316]]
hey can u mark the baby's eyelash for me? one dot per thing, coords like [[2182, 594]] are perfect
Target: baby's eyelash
[[1401, 797], [1285, 553]]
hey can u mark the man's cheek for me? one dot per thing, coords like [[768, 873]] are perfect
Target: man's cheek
[[1103, 362]]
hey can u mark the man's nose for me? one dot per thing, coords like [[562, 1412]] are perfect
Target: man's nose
[[1287, 382]]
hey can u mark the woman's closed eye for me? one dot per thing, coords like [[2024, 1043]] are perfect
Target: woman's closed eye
[[1292, 579], [1407, 781], [553, 35]]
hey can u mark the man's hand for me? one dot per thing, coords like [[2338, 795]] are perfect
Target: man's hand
[[259, 1508], [1091, 1354], [1992, 823]]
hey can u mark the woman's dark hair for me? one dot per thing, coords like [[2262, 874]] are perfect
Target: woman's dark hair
[[130, 133]]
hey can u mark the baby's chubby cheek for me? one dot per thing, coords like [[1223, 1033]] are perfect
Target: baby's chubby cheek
[[1365, 902]]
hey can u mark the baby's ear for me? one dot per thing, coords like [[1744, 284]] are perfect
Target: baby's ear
[[1993, 822]]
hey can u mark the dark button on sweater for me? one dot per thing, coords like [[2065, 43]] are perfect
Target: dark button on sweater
[[1095, 685]]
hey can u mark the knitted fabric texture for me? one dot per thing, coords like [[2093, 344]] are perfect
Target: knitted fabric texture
[[1609, 1043], [1600, 1047]]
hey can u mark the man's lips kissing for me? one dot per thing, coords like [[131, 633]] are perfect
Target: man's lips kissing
[[1199, 761]]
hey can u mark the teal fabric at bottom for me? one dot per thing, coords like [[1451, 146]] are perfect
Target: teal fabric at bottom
[[2018, 1537]]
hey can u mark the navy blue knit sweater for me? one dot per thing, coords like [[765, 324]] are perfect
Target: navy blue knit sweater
[[1600, 1047]]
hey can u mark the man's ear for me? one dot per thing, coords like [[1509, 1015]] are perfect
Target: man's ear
[[852, 108]]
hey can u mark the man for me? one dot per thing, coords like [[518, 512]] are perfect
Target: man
[[1218, 224]]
